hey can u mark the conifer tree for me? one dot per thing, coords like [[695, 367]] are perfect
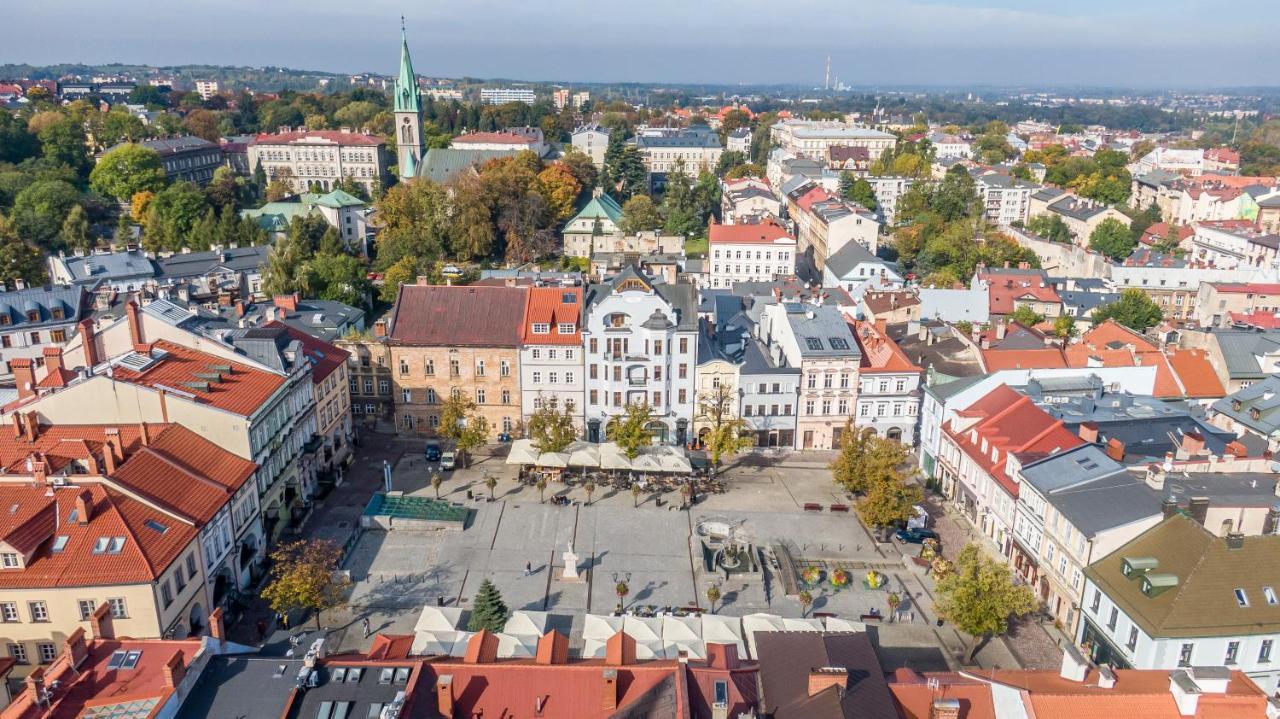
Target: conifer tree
[[488, 611]]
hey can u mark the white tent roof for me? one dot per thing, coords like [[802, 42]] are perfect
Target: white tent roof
[[670, 459], [836, 624], [802, 625], [438, 619], [723, 630], [696, 648], [583, 454], [443, 643], [510, 646], [760, 622], [553, 459], [646, 462], [593, 649], [653, 649], [643, 629], [611, 457], [600, 627], [522, 452], [681, 628], [525, 623]]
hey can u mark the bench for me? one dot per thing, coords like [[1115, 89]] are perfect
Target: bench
[[812, 507], [870, 618], [840, 508], [824, 615]]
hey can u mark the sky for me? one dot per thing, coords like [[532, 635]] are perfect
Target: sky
[[1116, 43]]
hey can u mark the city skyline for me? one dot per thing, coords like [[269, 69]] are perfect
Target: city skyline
[[960, 43]]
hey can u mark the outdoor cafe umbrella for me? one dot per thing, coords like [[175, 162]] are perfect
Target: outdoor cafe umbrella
[[683, 633], [611, 457], [583, 454], [646, 461], [674, 460], [554, 460], [522, 452]]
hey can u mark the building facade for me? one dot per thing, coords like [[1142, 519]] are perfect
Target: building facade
[[817, 341], [320, 159], [551, 364], [759, 252]]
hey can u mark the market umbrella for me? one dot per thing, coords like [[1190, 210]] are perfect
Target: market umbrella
[[646, 461], [611, 457], [555, 460], [584, 454], [438, 619], [522, 452], [683, 633]]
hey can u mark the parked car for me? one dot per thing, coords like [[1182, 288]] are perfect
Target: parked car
[[433, 452], [914, 536], [448, 460]]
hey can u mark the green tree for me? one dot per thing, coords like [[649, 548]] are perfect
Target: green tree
[[866, 459], [1025, 316], [1051, 227], [304, 576], [551, 430], [1064, 327], [63, 141], [889, 500], [728, 161], [713, 596], [415, 222], [631, 430], [639, 214], [560, 188], [172, 215], [286, 269], [581, 166], [339, 277], [19, 260], [75, 229], [39, 210], [1134, 310], [1112, 238], [404, 271], [488, 611], [460, 422], [861, 192], [727, 433], [627, 173], [127, 170], [980, 597]]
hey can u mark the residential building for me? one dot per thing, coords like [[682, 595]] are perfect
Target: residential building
[[209, 277], [1251, 411], [856, 268], [719, 393], [770, 389], [756, 252], [503, 95], [369, 377], [1219, 304], [1081, 216], [662, 149], [747, 199], [1239, 357], [347, 214], [889, 391], [332, 399], [186, 158], [551, 362], [641, 347], [206, 88], [1009, 344], [1174, 284], [1178, 597], [1004, 199], [593, 141], [129, 270], [1269, 213], [456, 341], [517, 139], [648, 245], [1009, 288], [140, 526], [966, 304], [665, 267], [816, 340], [325, 320], [826, 223], [889, 307], [947, 145], [813, 139], [1235, 244], [33, 319], [601, 216], [888, 190], [821, 675], [309, 159], [739, 141], [1171, 160], [1180, 373], [1081, 297]]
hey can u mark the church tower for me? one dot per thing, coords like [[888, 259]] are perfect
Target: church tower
[[408, 112]]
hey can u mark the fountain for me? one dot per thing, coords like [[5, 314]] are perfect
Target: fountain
[[726, 549]]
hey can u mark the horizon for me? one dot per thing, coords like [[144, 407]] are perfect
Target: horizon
[[998, 44]]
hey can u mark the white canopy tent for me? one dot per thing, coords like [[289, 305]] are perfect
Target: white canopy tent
[[717, 629], [522, 452], [515, 647], [611, 457], [683, 634], [836, 624], [760, 622], [802, 625], [554, 460], [438, 619], [583, 454], [670, 459], [440, 643], [525, 623], [647, 631]]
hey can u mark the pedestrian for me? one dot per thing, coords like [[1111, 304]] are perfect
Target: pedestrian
[[364, 623], [528, 568], [262, 630]]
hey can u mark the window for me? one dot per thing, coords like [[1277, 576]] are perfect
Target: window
[[826, 406], [191, 562], [1242, 599], [166, 594], [454, 368], [384, 386], [1233, 650], [86, 608], [595, 398], [746, 410], [684, 345], [118, 608], [406, 395], [430, 367], [1269, 594], [506, 396], [568, 378], [479, 368], [657, 347], [504, 368], [1133, 639], [844, 380], [1111, 622], [47, 652], [683, 371], [566, 328], [594, 371], [827, 380], [808, 407], [594, 347], [813, 381], [1264, 653], [541, 328], [18, 652], [39, 611], [404, 367], [8, 611], [479, 396], [9, 560], [537, 353], [1184, 655], [552, 377], [683, 397], [431, 397], [537, 378]]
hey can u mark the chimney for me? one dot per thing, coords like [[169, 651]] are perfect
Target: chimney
[[986, 343], [100, 622], [444, 695], [1198, 507], [380, 328], [288, 303], [32, 425], [35, 684], [1155, 476], [609, 690], [944, 709], [240, 308], [1088, 432], [38, 472], [1169, 506], [87, 340], [1106, 677], [217, 628], [53, 359], [75, 648], [1074, 666], [135, 327], [144, 435], [822, 678], [423, 280], [1001, 328], [24, 375], [84, 505], [114, 444], [620, 650], [174, 670], [1115, 449], [1272, 521], [17, 434], [1192, 443], [1235, 540]]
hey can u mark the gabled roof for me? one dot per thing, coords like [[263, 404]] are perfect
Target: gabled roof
[[768, 232], [323, 357], [463, 316], [177, 369], [1009, 423], [787, 658], [1179, 372], [601, 206], [553, 306], [844, 261], [493, 138], [442, 164]]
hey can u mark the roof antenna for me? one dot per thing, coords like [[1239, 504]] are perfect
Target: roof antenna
[[402, 23]]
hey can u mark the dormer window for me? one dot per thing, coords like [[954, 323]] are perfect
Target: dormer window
[[541, 328], [33, 316], [566, 328], [9, 560]]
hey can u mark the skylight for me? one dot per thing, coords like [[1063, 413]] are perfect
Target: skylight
[[813, 343], [1241, 598], [59, 543], [838, 343], [1270, 594], [155, 526], [124, 659]]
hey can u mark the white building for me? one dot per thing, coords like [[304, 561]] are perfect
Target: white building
[[812, 139], [515, 138], [739, 141], [747, 199], [1004, 199], [1178, 597], [953, 146], [551, 368], [825, 223], [889, 190], [503, 95], [889, 386], [1234, 246], [760, 252], [641, 340], [854, 266], [306, 159], [593, 141], [662, 148], [206, 88]]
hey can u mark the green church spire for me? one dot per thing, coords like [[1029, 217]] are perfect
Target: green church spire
[[407, 99]]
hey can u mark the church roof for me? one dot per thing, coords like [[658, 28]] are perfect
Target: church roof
[[406, 94]]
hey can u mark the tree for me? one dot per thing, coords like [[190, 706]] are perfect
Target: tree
[[63, 141], [172, 215], [1064, 327], [551, 430], [979, 597], [1051, 227], [581, 166], [1025, 316], [713, 596], [628, 174], [861, 192], [304, 576], [894, 601], [402, 272], [471, 231], [139, 203], [728, 161], [866, 459], [490, 482], [337, 276], [286, 268], [75, 229], [460, 422], [639, 214], [1133, 310], [631, 430], [488, 611], [277, 190], [127, 170], [40, 209], [622, 590], [436, 481], [1112, 238], [889, 500], [728, 433], [806, 601], [559, 187], [19, 260]]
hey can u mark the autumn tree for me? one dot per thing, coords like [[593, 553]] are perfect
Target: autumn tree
[[713, 596], [560, 189], [415, 222], [19, 260], [979, 597], [726, 433], [865, 459], [889, 500], [631, 430], [203, 124], [460, 422], [128, 170], [640, 214], [286, 269], [304, 576], [550, 429]]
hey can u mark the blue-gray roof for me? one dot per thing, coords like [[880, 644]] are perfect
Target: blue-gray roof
[[1241, 350], [1086, 302], [821, 331], [1092, 491], [695, 136], [1261, 397], [52, 306], [443, 164], [109, 266], [197, 264], [850, 256]]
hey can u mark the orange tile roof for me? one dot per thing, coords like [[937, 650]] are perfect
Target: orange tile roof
[[546, 305], [1253, 288], [1007, 286], [1047, 358], [879, 352], [186, 472], [324, 357], [1179, 372], [915, 701], [241, 392], [1011, 423], [1137, 694], [767, 232]]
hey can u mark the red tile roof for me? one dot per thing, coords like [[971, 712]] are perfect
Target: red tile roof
[[309, 136], [1261, 320], [548, 305], [1179, 372], [1159, 231], [1011, 423], [767, 232], [437, 315], [242, 391], [1047, 358], [1005, 288], [879, 352], [1250, 288], [324, 357], [186, 472]]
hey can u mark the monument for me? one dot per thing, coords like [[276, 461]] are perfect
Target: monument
[[570, 573]]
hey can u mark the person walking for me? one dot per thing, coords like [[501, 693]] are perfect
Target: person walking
[[528, 568], [364, 624]]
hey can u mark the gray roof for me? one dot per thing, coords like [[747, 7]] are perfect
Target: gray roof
[[1091, 490], [109, 266], [267, 345], [821, 331], [1147, 426], [323, 319], [1242, 348], [1086, 302], [44, 301], [1262, 397], [1079, 209], [173, 145], [696, 136], [242, 686], [1048, 193], [442, 164], [850, 256], [1157, 177], [198, 264], [755, 361], [947, 390], [951, 305], [682, 296]]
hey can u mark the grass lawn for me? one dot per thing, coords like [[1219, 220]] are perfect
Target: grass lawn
[[695, 247]]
